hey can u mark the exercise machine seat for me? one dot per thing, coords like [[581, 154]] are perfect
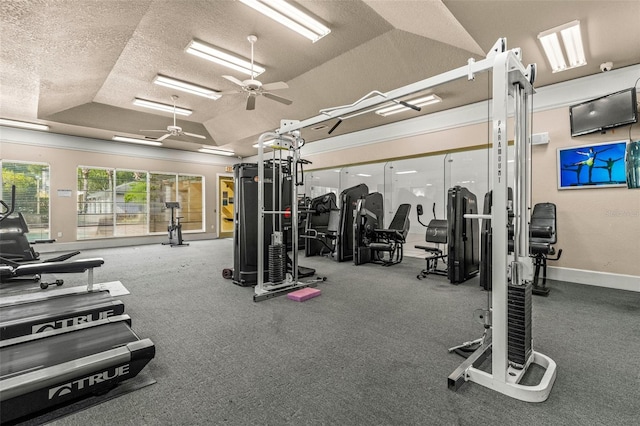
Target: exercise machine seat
[[543, 234], [392, 239]]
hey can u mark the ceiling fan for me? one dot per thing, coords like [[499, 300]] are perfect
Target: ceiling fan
[[174, 130], [254, 88]]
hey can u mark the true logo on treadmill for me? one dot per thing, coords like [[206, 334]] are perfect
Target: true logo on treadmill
[[69, 322], [88, 381]]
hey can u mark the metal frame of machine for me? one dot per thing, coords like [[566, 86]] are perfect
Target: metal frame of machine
[[511, 81]]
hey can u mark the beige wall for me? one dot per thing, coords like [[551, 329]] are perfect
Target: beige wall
[[598, 229], [64, 163]]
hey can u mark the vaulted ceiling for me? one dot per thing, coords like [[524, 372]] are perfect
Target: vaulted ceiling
[[77, 65]]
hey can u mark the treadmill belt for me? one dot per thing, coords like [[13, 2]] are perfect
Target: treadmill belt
[[63, 303], [35, 355]]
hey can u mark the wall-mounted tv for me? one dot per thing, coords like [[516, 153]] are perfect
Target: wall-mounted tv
[[592, 166], [598, 115]]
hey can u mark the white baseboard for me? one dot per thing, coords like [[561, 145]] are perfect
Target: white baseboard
[[600, 279]]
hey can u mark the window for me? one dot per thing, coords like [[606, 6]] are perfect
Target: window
[[123, 203], [95, 203], [185, 189], [131, 203], [32, 194]]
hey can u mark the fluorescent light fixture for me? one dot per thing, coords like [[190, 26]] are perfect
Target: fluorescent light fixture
[[220, 57], [572, 41], [363, 175], [208, 149], [291, 17], [184, 86], [406, 172], [161, 107], [419, 102], [23, 124], [136, 140]]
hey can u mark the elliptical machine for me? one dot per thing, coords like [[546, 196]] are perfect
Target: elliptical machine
[[175, 227]]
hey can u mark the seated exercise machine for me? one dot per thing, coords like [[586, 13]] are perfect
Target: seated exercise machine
[[372, 243], [436, 234], [460, 233], [322, 224], [175, 227], [20, 262], [65, 364], [543, 235], [348, 203]]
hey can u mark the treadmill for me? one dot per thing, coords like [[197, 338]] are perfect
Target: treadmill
[[41, 371], [55, 312]]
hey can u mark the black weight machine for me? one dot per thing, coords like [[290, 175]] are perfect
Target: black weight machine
[[372, 242], [321, 226], [459, 233], [175, 227]]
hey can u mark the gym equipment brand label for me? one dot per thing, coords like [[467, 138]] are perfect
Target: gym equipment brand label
[[499, 141], [69, 322], [87, 382]]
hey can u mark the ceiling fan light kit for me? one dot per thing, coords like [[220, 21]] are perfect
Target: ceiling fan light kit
[[174, 130], [253, 88]]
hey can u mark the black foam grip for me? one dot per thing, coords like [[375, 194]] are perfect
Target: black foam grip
[[408, 105], [335, 125]]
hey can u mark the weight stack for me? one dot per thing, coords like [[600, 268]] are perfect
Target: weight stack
[[519, 325], [277, 263]]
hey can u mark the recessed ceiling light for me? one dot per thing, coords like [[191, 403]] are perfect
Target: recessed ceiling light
[[161, 107], [23, 124], [291, 17], [268, 142], [136, 140], [184, 86], [218, 56]]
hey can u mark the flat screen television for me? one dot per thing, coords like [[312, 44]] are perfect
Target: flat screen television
[[592, 166], [606, 112]]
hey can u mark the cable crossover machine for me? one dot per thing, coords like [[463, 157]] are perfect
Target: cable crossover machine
[[507, 321]]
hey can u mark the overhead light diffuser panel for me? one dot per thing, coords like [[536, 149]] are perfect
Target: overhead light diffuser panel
[[161, 107], [291, 17], [184, 86], [23, 124], [573, 46], [136, 140], [216, 55]]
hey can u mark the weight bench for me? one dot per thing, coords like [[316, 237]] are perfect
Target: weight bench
[[15, 272], [392, 240], [543, 236]]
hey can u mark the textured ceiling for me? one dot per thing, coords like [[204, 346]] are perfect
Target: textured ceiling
[[77, 65]]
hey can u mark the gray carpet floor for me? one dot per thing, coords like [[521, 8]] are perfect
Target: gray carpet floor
[[371, 350]]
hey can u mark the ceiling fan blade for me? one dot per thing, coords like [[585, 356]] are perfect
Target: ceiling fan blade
[[251, 103], [193, 135], [277, 98], [278, 85], [163, 137], [230, 92], [233, 80], [163, 131]]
